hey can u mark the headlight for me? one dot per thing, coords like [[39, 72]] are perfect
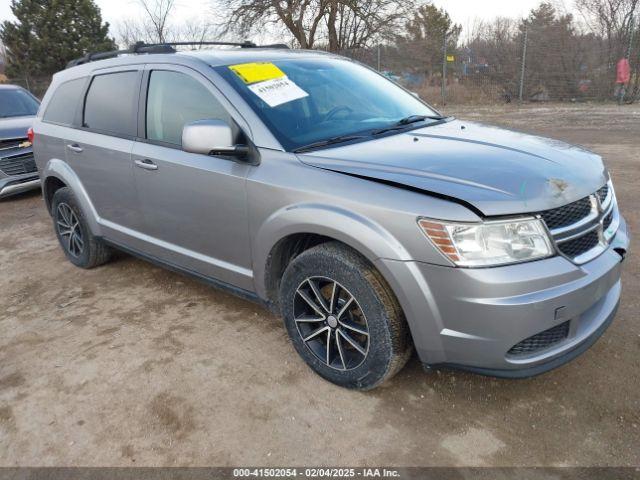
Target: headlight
[[490, 243]]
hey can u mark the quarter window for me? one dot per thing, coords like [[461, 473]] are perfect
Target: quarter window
[[63, 105], [175, 99], [111, 104]]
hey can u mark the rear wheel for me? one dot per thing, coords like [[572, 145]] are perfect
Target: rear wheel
[[80, 246], [343, 318]]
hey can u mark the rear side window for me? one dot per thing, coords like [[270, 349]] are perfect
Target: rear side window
[[111, 105], [62, 106], [175, 99]]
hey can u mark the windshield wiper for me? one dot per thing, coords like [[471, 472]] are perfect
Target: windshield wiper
[[399, 125], [418, 118], [402, 123], [327, 142]]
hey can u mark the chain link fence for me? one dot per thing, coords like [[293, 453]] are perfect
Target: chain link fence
[[523, 71]]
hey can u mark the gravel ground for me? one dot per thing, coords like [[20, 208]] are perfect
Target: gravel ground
[[129, 364]]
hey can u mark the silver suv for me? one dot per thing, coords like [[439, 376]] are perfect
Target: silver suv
[[320, 188]]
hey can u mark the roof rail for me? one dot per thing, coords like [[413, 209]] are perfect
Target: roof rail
[[245, 44], [167, 47]]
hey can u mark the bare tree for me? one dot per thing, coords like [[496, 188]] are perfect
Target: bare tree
[[158, 12], [610, 19], [357, 23], [195, 30], [3, 57], [301, 18], [492, 54], [336, 24], [130, 31]]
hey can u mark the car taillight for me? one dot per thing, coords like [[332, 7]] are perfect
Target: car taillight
[[30, 134]]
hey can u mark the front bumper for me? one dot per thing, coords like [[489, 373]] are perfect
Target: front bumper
[[18, 183], [18, 171], [471, 318]]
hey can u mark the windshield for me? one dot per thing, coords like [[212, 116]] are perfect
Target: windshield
[[17, 103], [322, 99]]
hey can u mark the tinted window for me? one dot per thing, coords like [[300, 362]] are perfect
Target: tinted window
[[111, 104], [62, 106], [17, 103], [175, 99]]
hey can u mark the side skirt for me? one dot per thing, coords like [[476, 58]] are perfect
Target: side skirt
[[218, 284]]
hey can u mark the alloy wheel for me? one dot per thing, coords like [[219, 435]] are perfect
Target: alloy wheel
[[68, 227], [331, 323]]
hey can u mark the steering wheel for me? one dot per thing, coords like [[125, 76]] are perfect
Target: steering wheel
[[335, 110]]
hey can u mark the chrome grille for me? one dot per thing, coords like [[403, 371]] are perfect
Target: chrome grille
[[541, 341], [18, 164], [10, 143], [583, 229]]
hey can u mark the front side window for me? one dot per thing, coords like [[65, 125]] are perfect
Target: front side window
[[62, 106], [15, 102], [313, 99], [175, 99], [111, 105]]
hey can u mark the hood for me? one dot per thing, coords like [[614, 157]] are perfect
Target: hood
[[14, 127], [497, 171]]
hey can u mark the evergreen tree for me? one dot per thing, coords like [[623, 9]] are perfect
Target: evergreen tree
[[554, 54], [424, 35], [49, 33]]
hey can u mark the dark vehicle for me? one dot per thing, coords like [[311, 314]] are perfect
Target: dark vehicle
[[18, 170]]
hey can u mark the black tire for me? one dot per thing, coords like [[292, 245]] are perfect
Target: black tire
[[66, 211], [374, 308]]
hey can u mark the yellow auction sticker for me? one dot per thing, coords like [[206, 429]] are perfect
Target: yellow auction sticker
[[257, 72]]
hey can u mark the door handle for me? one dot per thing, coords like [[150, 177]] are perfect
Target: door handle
[[75, 148], [146, 164]]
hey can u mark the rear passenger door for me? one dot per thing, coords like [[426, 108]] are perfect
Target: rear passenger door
[[100, 150], [194, 206]]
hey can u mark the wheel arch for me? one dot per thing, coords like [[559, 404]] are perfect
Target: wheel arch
[[58, 174], [50, 186], [293, 230]]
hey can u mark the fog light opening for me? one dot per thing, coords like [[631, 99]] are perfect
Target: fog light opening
[[622, 252]]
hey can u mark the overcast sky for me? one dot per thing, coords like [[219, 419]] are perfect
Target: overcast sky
[[464, 12]]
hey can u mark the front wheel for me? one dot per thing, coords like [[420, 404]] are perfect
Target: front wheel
[[343, 318]]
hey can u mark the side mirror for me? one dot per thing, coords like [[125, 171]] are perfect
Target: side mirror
[[211, 137]]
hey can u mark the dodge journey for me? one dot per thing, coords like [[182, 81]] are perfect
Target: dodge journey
[[371, 222]]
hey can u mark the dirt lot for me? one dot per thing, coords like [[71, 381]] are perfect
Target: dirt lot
[[130, 364]]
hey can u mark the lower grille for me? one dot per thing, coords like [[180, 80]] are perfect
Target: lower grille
[[580, 245], [18, 165], [541, 341]]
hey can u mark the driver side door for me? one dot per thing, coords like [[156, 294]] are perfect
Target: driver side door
[[194, 206]]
